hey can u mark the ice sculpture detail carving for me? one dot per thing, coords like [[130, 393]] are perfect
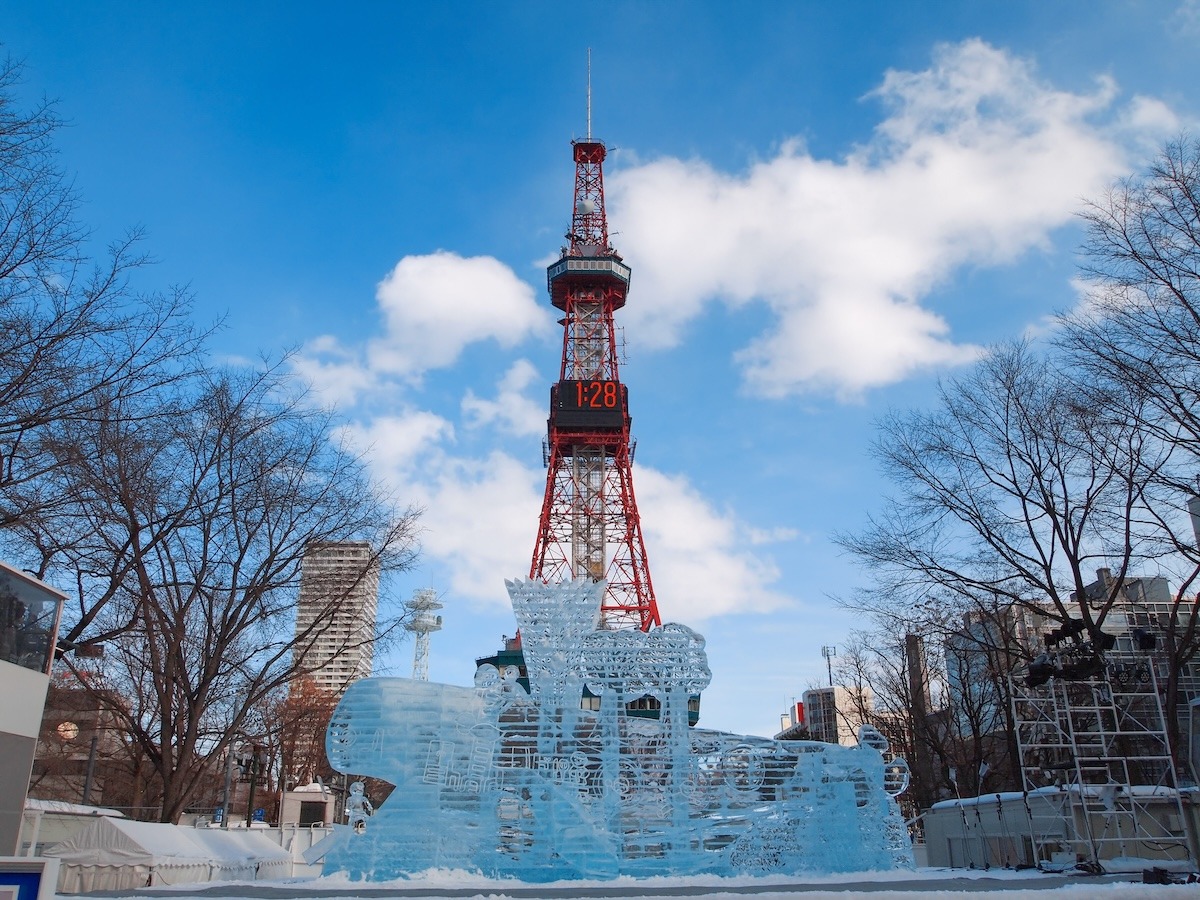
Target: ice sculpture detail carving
[[531, 786]]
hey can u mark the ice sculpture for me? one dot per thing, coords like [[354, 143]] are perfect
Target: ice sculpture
[[358, 807], [531, 786]]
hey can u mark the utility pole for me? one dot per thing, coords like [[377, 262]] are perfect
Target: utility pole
[[91, 771], [228, 788]]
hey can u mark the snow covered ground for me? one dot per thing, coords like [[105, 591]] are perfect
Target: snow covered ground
[[998, 884]]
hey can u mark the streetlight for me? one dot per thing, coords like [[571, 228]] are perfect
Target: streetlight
[[251, 767]]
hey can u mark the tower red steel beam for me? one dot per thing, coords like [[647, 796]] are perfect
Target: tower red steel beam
[[589, 526]]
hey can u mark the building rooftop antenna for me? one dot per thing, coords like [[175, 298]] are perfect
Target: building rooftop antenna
[[829, 653]]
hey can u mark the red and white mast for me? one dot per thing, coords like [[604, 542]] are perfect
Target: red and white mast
[[589, 525]]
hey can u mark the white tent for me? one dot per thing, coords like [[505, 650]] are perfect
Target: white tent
[[118, 854], [244, 854]]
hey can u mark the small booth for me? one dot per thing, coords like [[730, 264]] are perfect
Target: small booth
[[307, 806]]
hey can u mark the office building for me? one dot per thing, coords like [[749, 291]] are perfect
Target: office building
[[833, 714]]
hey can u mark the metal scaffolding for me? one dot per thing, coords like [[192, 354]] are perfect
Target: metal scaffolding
[[1098, 774]]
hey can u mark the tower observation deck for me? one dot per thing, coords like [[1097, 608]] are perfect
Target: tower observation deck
[[589, 525]]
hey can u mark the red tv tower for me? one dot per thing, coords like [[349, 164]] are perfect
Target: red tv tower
[[589, 525]]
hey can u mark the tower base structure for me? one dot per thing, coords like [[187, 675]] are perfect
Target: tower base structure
[[523, 784]]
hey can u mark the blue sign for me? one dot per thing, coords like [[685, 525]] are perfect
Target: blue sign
[[260, 815]]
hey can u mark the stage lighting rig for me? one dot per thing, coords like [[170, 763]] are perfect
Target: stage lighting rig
[[1041, 669], [1070, 628]]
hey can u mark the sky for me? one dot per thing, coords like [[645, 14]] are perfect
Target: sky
[[826, 208]]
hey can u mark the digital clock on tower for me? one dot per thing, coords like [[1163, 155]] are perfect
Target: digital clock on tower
[[588, 403]]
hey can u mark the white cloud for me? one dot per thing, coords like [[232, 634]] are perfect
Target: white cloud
[[1185, 19], [1148, 120], [481, 523], [436, 305], [775, 535], [697, 554], [401, 446], [512, 411], [433, 308], [481, 517], [335, 373], [480, 514], [976, 162]]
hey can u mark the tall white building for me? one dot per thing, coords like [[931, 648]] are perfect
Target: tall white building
[[833, 714], [339, 592]]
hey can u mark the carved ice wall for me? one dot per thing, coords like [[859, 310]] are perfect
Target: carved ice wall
[[531, 786]]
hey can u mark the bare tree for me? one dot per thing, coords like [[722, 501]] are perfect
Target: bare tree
[[80, 755], [1034, 472], [73, 333], [172, 502], [301, 718], [1138, 341], [184, 535], [872, 665], [1013, 491], [940, 694]]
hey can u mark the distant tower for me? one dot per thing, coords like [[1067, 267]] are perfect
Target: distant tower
[[589, 525], [422, 605], [335, 615]]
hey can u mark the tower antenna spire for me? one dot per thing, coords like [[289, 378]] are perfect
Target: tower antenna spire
[[589, 95]]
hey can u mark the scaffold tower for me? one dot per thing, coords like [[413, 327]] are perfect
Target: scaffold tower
[[1098, 775], [589, 525]]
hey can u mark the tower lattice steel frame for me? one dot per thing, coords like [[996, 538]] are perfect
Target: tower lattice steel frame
[[589, 525]]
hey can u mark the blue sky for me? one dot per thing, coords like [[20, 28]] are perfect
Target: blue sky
[[826, 207]]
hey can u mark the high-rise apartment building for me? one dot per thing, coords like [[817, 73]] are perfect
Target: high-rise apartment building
[[339, 591]]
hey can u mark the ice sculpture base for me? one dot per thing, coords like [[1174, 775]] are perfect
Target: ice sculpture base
[[510, 784]]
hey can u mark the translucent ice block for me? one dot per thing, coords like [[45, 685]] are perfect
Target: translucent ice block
[[533, 787]]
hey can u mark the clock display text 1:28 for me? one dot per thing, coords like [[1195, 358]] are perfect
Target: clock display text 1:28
[[597, 403], [597, 394]]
